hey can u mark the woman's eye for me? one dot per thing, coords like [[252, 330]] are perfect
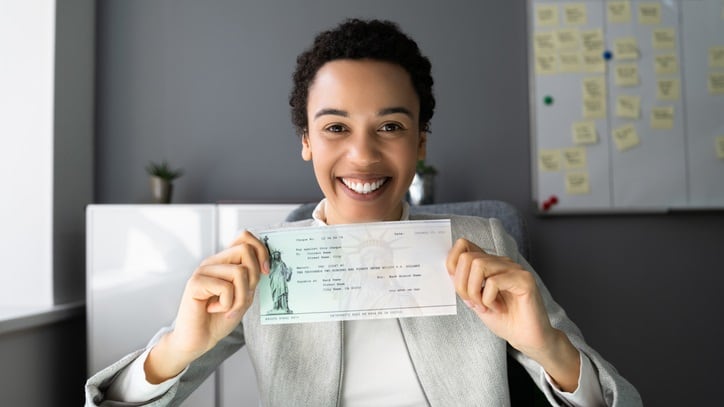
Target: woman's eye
[[335, 128], [390, 127]]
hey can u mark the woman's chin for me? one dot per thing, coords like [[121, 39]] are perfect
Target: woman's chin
[[366, 212]]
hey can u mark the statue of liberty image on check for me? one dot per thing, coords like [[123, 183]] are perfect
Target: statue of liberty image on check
[[279, 275]]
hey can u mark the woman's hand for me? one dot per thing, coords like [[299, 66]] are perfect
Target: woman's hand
[[215, 299], [506, 298]]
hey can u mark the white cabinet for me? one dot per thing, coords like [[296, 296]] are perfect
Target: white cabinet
[[138, 258]]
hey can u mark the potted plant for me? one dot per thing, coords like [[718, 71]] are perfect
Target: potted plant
[[161, 180], [422, 189]]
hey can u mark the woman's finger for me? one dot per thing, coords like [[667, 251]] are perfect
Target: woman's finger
[[476, 280], [516, 282], [238, 276], [217, 293], [262, 254], [250, 255], [459, 247], [461, 275], [252, 266]]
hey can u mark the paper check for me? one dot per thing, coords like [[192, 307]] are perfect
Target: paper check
[[361, 271]]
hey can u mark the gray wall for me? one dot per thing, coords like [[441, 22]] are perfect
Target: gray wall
[[45, 364], [73, 146], [205, 85]]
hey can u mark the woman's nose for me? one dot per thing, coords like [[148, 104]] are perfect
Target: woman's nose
[[364, 148]]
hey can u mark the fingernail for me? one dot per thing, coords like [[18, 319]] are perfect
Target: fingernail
[[468, 303], [266, 266]]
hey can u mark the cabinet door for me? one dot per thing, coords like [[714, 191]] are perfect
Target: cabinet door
[[138, 260]]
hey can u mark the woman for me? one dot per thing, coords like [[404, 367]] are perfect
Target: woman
[[362, 102]]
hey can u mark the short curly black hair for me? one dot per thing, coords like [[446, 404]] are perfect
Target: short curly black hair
[[362, 39]]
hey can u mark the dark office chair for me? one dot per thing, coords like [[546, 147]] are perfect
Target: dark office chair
[[523, 391]]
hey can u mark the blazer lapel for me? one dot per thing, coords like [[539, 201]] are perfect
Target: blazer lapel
[[457, 358]]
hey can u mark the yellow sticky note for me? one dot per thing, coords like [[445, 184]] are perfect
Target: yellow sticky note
[[663, 38], [575, 14], [545, 63], [625, 137], [577, 183], [716, 57], [594, 87], [569, 39], [549, 160], [546, 15], [662, 117], [628, 106], [668, 89], [592, 40], [716, 83], [627, 75], [569, 61], [574, 158], [594, 108], [584, 132], [593, 62], [618, 11], [625, 48], [544, 42], [666, 64], [719, 141], [650, 13]]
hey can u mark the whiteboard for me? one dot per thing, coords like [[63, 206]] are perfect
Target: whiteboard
[[627, 105]]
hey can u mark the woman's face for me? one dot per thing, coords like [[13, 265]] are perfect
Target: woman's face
[[364, 139]]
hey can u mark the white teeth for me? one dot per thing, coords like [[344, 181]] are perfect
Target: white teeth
[[364, 188]]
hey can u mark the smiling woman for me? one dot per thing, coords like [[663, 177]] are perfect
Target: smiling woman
[[363, 138], [362, 102]]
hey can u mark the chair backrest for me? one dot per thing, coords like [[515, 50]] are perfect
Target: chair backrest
[[510, 217]]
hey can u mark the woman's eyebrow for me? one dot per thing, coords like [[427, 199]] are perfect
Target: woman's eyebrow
[[383, 112], [393, 110], [335, 112]]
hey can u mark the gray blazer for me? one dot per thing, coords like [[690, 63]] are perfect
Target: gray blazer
[[301, 364]]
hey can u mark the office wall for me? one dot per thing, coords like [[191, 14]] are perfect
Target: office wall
[[205, 85], [73, 129], [45, 365]]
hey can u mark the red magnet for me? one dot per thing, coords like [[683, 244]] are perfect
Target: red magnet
[[548, 203]]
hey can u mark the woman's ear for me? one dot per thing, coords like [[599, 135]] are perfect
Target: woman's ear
[[306, 148], [422, 146]]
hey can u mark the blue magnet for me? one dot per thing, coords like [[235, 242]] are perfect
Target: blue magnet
[[607, 55]]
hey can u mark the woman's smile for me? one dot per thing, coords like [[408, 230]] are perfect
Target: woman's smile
[[363, 186]]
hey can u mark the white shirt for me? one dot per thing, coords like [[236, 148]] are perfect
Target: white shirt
[[377, 367]]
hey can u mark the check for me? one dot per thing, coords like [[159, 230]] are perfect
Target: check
[[360, 271]]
